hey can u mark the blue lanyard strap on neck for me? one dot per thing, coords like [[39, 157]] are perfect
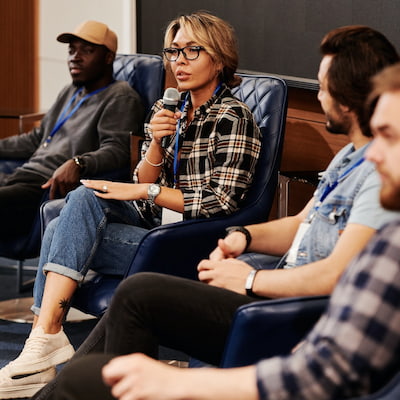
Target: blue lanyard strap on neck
[[332, 186], [64, 116], [176, 150]]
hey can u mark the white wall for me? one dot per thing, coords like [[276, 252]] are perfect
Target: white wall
[[57, 16]]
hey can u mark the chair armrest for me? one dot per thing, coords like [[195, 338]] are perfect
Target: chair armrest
[[49, 210], [29, 119], [268, 328], [180, 246], [94, 294], [177, 248]]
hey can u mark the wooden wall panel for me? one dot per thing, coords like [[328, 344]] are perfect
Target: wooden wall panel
[[19, 65], [308, 146]]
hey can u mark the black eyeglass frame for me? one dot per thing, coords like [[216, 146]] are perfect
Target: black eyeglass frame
[[168, 50]]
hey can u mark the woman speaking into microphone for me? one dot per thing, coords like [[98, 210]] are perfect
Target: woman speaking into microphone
[[205, 170]]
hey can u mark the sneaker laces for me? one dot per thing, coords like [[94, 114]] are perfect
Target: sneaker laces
[[35, 344]]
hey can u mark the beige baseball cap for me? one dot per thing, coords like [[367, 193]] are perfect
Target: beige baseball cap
[[93, 32]]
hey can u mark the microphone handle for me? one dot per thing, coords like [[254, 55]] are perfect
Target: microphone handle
[[165, 139]]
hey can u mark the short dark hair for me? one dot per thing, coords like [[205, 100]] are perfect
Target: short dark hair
[[359, 52]]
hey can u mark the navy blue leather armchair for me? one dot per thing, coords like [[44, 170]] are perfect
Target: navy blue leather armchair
[[145, 73], [273, 327], [177, 248], [269, 328]]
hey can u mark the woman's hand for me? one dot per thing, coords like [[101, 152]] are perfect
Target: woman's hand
[[163, 124], [117, 190]]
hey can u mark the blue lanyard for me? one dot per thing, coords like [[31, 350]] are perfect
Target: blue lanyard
[[63, 117], [178, 129], [176, 151], [329, 188]]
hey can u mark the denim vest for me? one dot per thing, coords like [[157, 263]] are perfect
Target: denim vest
[[328, 220]]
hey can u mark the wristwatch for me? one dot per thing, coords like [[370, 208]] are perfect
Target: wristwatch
[[153, 191], [250, 282], [79, 162], [242, 229]]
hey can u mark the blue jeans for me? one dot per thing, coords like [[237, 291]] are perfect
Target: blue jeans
[[261, 261], [90, 233]]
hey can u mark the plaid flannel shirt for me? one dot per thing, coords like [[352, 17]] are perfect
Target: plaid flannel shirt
[[218, 155], [355, 347]]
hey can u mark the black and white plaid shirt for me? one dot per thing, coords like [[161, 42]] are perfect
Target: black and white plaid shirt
[[355, 347], [218, 155]]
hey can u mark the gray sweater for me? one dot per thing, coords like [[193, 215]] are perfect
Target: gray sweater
[[99, 131]]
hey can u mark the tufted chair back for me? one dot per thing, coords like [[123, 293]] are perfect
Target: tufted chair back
[[266, 98], [144, 72]]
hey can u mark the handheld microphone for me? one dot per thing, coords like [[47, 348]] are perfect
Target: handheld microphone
[[170, 100]]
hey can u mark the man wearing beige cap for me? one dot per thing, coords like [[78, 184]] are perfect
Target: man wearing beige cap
[[93, 32], [84, 134]]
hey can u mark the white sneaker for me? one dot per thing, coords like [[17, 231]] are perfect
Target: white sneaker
[[41, 351], [23, 385]]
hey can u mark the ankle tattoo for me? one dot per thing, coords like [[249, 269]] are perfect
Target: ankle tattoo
[[64, 305]]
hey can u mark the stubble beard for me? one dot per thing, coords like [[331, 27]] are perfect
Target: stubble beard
[[390, 196]]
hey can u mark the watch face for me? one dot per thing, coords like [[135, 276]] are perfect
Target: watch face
[[79, 162], [154, 190]]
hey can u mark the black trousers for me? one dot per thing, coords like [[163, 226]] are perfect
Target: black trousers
[[20, 198], [81, 380], [149, 310]]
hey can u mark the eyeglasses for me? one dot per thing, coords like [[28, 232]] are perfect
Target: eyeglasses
[[189, 52]]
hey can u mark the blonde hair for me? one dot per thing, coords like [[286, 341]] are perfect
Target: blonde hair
[[215, 35]]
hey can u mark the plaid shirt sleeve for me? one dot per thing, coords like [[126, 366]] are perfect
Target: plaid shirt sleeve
[[354, 348]]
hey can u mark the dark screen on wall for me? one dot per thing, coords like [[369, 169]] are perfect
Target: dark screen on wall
[[275, 36]]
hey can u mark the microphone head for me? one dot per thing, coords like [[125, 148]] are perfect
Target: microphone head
[[171, 97]]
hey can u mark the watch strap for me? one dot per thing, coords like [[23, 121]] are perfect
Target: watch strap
[[153, 191], [242, 229], [79, 162]]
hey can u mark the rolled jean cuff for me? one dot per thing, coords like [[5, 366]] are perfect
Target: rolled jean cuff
[[65, 271], [61, 270], [35, 310]]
